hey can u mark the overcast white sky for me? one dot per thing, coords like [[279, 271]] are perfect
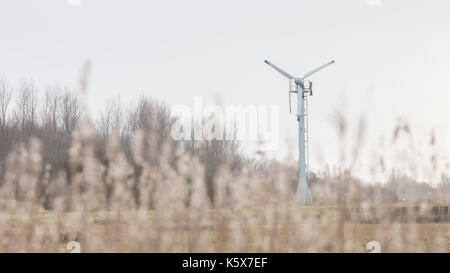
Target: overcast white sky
[[392, 60]]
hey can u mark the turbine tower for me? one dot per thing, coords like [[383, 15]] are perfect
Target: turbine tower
[[302, 88]]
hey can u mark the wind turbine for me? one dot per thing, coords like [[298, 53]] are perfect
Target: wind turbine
[[303, 88]]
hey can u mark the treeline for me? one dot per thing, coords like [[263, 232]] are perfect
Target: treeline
[[54, 113]]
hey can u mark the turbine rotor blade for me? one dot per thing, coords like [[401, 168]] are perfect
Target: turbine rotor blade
[[287, 75], [317, 70]]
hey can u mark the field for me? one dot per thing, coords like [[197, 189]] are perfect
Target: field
[[122, 184], [319, 230]]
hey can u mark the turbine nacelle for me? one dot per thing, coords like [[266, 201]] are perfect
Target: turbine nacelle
[[305, 84], [298, 81]]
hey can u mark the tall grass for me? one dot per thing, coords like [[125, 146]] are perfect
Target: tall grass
[[155, 195]]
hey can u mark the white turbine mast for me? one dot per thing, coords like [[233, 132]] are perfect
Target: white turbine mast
[[302, 88]]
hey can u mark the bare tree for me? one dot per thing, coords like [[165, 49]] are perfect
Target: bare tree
[[70, 110], [5, 99], [117, 116], [104, 123], [51, 107], [149, 115], [140, 116], [164, 119], [27, 106], [110, 119]]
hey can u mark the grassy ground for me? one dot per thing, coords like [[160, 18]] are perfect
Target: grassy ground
[[109, 232]]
